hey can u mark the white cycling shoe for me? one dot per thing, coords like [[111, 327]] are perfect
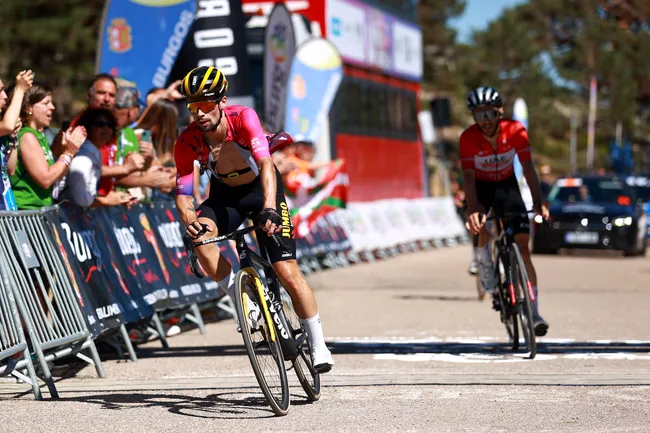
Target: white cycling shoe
[[322, 360]]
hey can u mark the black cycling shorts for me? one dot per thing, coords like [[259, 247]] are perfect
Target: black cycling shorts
[[228, 206], [504, 197]]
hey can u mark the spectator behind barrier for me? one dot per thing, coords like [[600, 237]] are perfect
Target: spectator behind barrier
[[127, 111], [101, 92], [171, 93], [36, 170], [81, 183], [10, 124], [301, 156], [160, 119]]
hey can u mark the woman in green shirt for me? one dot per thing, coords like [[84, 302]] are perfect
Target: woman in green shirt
[[36, 171]]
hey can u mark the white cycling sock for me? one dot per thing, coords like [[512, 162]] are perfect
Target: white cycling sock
[[536, 303], [228, 285], [314, 331]]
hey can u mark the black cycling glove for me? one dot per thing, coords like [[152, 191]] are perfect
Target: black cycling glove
[[269, 214]]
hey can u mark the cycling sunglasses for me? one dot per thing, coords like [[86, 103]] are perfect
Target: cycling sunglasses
[[485, 115], [204, 106]]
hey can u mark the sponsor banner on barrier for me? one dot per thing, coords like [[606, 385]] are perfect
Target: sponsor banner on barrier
[[390, 223], [140, 253], [132, 296], [64, 242], [218, 38], [279, 48], [79, 236], [164, 222], [316, 73], [140, 40]]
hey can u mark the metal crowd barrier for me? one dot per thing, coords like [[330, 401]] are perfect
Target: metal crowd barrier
[[33, 271], [12, 337]]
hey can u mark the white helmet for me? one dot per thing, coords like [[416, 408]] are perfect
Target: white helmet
[[484, 96]]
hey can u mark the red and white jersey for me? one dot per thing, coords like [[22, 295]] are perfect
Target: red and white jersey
[[477, 154]]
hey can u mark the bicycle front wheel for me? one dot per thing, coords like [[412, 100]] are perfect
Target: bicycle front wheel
[[504, 297], [523, 290], [308, 377], [261, 340]]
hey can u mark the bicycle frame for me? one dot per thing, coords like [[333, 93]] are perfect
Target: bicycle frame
[[503, 242], [272, 304]]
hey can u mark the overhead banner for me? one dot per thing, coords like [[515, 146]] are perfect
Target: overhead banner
[[279, 48], [315, 77], [140, 39], [218, 38], [371, 38]]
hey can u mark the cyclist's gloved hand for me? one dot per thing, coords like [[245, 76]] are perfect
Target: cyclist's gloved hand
[[195, 230], [541, 209], [270, 221], [475, 221]]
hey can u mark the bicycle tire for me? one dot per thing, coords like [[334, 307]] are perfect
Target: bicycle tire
[[524, 305], [507, 317], [249, 278], [308, 377]]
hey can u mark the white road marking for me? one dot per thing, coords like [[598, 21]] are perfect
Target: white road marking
[[480, 350]]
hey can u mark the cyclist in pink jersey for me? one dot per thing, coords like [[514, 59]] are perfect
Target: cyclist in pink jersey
[[487, 151], [229, 143]]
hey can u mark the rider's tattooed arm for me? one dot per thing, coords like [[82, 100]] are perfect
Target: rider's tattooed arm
[[269, 181], [186, 209]]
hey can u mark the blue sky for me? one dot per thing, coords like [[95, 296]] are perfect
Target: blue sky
[[478, 13]]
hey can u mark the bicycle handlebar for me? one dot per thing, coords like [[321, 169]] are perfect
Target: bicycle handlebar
[[190, 245], [237, 234], [510, 215]]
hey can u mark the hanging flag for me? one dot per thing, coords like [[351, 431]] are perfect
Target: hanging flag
[[140, 39], [279, 48], [316, 73], [310, 198]]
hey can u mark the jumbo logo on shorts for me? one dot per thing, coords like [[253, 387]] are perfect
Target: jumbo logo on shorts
[[286, 220]]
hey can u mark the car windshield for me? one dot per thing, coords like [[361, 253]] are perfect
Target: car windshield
[[579, 190]]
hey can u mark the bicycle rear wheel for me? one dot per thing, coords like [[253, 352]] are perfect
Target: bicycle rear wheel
[[261, 341], [523, 290], [308, 377]]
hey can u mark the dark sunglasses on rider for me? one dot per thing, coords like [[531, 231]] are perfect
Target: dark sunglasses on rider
[[104, 123], [485, 115], [204, 106]]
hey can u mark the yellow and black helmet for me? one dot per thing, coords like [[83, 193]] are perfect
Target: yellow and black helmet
[[204, 82]]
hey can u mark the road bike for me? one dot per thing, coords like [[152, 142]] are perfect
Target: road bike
[[514, 295], [269, 326]]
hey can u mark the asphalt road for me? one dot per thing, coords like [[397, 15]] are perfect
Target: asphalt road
[[415, 351]]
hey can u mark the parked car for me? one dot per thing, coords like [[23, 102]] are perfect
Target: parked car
[[641, 185], [592, 212]]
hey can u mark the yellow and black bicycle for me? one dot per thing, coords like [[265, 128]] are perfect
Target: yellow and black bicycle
[[269, 325]]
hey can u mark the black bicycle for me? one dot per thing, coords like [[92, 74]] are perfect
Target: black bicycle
[[269, 325], [514, 294]]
